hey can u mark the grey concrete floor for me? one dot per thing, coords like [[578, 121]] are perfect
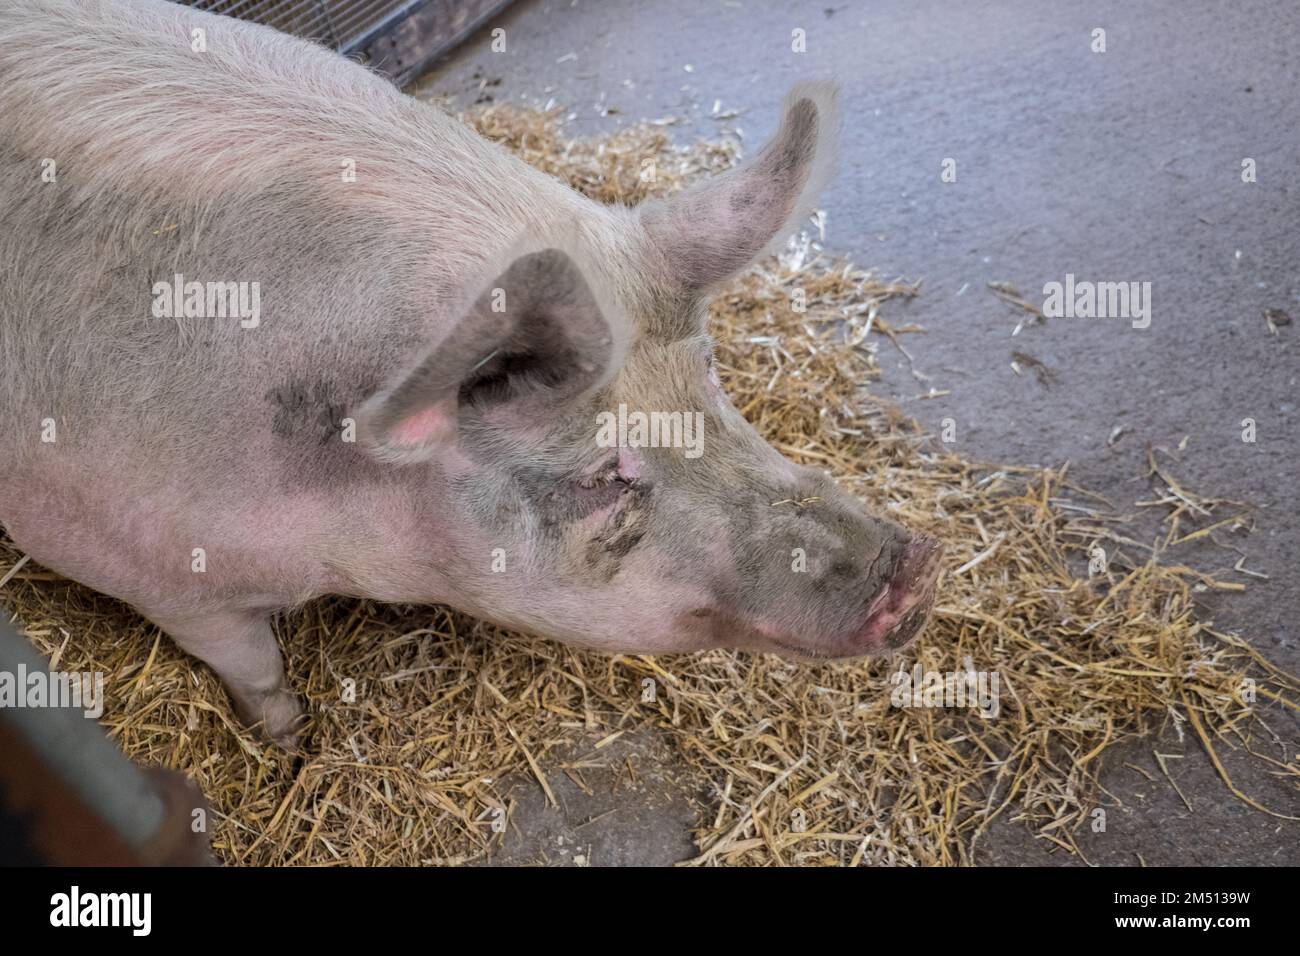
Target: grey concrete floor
[[1115, 166]]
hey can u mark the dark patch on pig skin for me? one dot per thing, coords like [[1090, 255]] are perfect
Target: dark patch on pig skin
[[798, 143], [557, 503], [627, 528], [307, 418], [742, 200], [306, 410]]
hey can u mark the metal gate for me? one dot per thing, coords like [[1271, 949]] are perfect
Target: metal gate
[[399, 38]]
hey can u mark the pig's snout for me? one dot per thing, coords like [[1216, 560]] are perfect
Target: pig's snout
[[899, 612], [894, 615]]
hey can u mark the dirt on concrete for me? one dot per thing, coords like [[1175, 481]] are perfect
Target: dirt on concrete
[[625, 804]]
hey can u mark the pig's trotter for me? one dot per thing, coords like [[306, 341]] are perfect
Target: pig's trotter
[[241, 648], [278, 715]]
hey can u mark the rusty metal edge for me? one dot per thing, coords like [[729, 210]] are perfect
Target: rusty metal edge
[[78, 795]]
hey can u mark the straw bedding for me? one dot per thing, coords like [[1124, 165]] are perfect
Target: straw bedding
[[421, 717]]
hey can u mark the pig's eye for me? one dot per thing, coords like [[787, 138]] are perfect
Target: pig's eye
[[601, 491], [607, 475]]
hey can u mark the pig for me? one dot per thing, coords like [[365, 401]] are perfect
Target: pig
[[394, 391]]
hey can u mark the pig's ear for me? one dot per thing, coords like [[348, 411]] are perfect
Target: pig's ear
[[712, 231], [538, 337]]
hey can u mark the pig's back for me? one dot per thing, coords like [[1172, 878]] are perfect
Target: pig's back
[[223, 166]]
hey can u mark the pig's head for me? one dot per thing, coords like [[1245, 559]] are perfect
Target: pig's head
[[537, 419]]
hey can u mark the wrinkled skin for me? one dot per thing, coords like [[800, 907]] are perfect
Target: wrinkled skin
[[415, 418]]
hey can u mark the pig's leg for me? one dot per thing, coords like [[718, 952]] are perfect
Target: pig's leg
[[240, 646]]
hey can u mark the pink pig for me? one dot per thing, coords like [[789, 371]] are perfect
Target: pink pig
[[273, 330]]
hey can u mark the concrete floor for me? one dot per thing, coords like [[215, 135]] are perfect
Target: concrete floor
[[1115, 166]]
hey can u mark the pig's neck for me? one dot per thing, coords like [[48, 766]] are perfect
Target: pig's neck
[[395, 541]]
